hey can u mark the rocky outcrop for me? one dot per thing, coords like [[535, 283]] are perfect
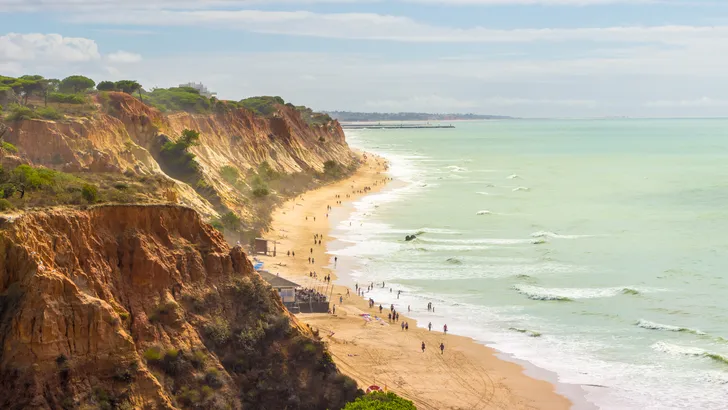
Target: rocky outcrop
[[124, 137], [145, 307]]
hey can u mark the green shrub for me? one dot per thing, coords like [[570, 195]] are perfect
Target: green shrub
[[9, 147], [20, 113], [266, 172], [67, 98], [264, 105], [213, 379], [260, 192], [230, 174], [34, 178], [202, 184], [217, 224], [177, 156], [90, 193], [178, 99], [332, 169], [49, 113], [5, 205], [153, 354], [198, 359], [231, 220], [380, 401], [218, 330], [188, 397], [124, 315]]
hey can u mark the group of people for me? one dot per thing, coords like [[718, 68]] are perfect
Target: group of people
[[306, 295]]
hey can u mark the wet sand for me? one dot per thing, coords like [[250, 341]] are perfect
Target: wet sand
[[467, 376]]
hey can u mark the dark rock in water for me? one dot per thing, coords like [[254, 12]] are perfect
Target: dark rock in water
[[410, 238]]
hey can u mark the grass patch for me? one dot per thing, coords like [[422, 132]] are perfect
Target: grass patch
[[9, 147]]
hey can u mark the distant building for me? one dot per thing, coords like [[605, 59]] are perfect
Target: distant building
[[201, 88]]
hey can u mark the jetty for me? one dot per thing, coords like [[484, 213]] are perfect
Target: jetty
[[393, 126]]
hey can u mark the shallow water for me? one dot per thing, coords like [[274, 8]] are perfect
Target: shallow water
[[595, 249]]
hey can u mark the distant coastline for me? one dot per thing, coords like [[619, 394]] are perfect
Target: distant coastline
[[349, 116]]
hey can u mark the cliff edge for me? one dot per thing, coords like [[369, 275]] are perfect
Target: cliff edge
[[147, 307]]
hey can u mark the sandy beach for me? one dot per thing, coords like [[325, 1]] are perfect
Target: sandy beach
[[466, 375]]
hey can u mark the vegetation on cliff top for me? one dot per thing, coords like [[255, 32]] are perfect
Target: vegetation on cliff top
[[380, 401]]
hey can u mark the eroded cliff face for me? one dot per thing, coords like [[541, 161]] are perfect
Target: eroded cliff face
[[146, 307], [124, 137]]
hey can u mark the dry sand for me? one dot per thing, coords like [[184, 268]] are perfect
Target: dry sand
[[467, 376]]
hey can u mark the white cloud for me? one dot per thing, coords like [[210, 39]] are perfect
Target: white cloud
[[371, 26], [47, 47], [124, 57]]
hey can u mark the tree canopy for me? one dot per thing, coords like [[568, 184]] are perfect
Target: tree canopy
[[106, 86], [128, 86], [380, 401], [76, 84], [178, 99], [264, 105]]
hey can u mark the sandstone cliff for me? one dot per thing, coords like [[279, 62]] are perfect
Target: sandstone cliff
[[125, 136], [147, 307]]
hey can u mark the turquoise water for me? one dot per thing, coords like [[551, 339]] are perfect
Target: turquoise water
[[605, 240]]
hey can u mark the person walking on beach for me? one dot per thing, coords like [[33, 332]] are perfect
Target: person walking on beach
[[408, 309], [402, 326], [336, 259], [288, 253], [380, 308], [429, 326], [444, 329], [334, 310], [423, 347], [397, 317], [442, 348], [406, 325], [309, 259], [312, 249], [389, 317], [341, 299]]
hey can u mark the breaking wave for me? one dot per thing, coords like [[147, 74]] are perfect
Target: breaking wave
[[483, 213], [570, 294], [526, 331], [646, 324], [689, 351], [514, 176], [547, 234], [521, 188]]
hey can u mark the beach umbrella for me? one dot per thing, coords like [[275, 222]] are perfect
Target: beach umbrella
[[373, 388]]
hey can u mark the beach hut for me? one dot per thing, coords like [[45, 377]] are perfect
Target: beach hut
[[262, 247], [285, 288]]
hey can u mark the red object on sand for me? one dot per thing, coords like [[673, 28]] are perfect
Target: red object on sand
[[372, 388]]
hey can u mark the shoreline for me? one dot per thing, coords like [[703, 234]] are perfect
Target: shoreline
[[469, 375]]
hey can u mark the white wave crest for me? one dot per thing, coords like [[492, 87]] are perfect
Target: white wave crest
[[547, 234], [646, 324], [521, 188], [455, 168], [565, 294], [483, 213], [480, 241], [676, 350], [514, 176]]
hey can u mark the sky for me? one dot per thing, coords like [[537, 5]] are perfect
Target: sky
[[525, 58]]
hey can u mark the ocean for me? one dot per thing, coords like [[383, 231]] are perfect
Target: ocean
[[594, 249]]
